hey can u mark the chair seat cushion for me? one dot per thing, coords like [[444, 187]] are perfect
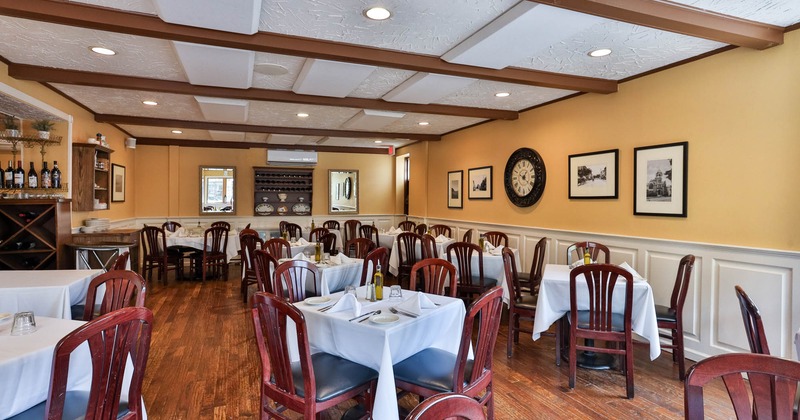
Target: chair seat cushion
[[617, 321], [487, 282], [334, 376], [526, 301], [75, 403], [77, 312], [666, 314], [430, 368]]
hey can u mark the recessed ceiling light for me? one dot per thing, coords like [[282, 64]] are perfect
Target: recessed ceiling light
[[103, 51], [177, 132], [502, 94], [602, 52], [302, 114], [377, 13], [423, 123], [150, 103], [378, 141]]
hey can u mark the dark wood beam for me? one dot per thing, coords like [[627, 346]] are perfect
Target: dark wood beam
[[104, 19], [113, 81], [153, 141], [248, 128], [679, 18]]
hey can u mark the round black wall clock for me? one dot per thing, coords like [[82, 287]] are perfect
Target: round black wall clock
[[525, 177]]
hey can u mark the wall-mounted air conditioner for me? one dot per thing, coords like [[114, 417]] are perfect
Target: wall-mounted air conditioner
[[291, 157]]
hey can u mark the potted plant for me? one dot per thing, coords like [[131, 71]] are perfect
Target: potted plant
[[12, 126], [43, 127]]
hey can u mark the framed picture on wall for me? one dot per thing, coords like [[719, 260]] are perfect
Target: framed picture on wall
[[455, 189], [117, 183], [594, 175], [480, 183], [660, 179]]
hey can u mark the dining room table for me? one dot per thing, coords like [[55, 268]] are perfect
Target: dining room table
[[394, 255], [48, 293], [554, 297], [381, 340], [194, 237], [335, 273], [493, 267], [26, 361]]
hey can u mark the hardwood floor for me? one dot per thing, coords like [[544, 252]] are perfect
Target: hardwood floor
[[204, 364]]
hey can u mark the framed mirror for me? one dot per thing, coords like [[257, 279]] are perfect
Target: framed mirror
[[217, 187], [343, 191]]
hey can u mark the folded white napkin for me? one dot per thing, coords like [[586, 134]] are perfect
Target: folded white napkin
[[347, 302], [416, 304], [628, 268], [395, 231], [301, 257], [180, 232], [300, 242], [487, 246], [498, 250], [442, 239]]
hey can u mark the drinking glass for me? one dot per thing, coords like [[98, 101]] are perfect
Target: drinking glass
[[24, 323], [350, 289], [395, 293]]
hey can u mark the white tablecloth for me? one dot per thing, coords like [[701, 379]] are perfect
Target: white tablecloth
[[339, 243], [381, 346], [26, 361], [334, 278], [196, 242], [394, 256], [553, 303], [47, 293], [492, 268]]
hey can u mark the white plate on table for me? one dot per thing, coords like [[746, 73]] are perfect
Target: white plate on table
[[384, 319], [317, 300], [5, 316]]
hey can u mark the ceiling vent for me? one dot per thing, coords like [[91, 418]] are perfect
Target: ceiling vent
[[291, 157]]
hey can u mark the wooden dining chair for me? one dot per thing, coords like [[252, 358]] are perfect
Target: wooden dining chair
[[293, 229], [328, 242], [263, 265], [156, 256], [370, 232], [181, 251], [600, 321], [671, 317], [213, 258], [278, 248], [448, 405], [496, 238], [292, 277], [120, 289], [437, 276], [532, 279], [407, 255], [421, 229], [468, 235], [170, 226], [768, 393], [317, 233], [753, 325], [445, 230], [315, 382], [429, 248], [378, 256], [121, 263], [331, 224], [113, 339], [521, 304], [433, 371], [578, 249], [223, 224], [469, 282], [407, 225], [351, 228], [358, 247], [249, 242]]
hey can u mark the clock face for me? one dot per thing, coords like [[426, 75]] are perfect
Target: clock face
[[525, 177]]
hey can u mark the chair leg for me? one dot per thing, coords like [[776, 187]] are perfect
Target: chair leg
[[678, 351], [573, 361], [558, 341], [509, 350], [490, 403], [629, 369]]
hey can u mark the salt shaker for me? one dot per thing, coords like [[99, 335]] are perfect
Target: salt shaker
[[371, 292]]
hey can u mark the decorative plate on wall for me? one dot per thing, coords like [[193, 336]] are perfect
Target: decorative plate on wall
[[301, 208], [525, 177], [264, 209], [283, 210]]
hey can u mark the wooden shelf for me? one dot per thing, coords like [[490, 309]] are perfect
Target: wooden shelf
[[270, 183], [89, 181], [33, 234]]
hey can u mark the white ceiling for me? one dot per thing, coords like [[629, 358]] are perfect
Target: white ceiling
[[442, 28]]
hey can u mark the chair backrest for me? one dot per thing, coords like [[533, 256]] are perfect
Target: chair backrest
[[378, 255], [752, 323], [170, 226], [421, 229], [293, 229], [681, 287], [154, 242], [282, 226], [292, 277], [496, 238], [445, 230], [270, 315], [278, 248], [328, 241], [111, 338], [537, 264], [249, 242], [358, 247], [601, 280], [512, 277], [215, 241], [317, 233], [121, 263], [120, 288], [769, 392], [221, 223], [407, 248], [468, 236], [351, 229], [370, 232], [460, 254], [578, 249], [448, 405], [406, 225], [331, 224], [263, 264], [429, 249], [483, 314], [435, 274]]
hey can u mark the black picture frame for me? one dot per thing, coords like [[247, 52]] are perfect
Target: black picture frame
[[594, 175], [455, 189], [480, 183], [660, 175], [117, 183]]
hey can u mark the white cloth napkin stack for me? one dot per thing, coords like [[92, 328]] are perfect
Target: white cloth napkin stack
[[416, 304], [347, 302], [628, 268], [395, 231], [442, 239]]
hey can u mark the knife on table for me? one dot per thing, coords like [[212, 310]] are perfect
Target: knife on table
[[361, 316]]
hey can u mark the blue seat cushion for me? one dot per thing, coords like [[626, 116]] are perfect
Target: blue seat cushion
[[430, 368], [77, 312], [75, 403], [617, 321], [334, 376], [665, 314]]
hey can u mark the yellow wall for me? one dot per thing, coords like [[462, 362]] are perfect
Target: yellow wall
[[738, 110]]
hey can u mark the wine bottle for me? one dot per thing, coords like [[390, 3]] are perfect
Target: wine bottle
[[19, 176], [318, 252], [55, 175], [46, 181], [33, 177], [377, 279], [9, 176], [312, 224]]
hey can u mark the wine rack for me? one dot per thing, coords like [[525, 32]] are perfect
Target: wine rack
[[33, 234], [283, 191]]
